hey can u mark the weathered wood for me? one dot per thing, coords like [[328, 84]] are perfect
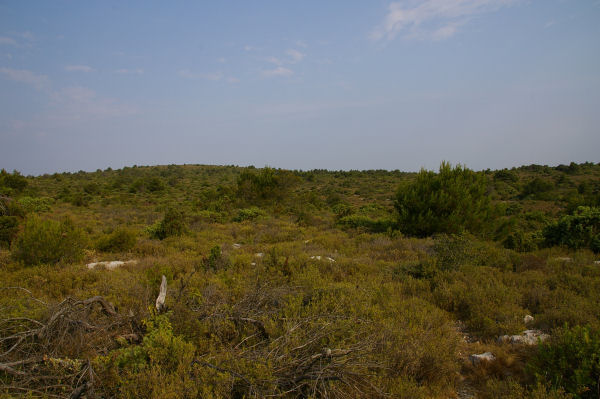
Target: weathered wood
[[160, 300]]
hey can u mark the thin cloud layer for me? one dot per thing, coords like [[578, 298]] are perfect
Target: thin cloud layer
[[432, 19], [125, 71], [25, 76], [8, 41], [279, 71], [79, 68]]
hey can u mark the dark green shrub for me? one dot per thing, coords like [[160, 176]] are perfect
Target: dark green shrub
[[580, 230], [357, 221], [172, 224], [9, 226], [120, 240], [267, 185], [571, 360], [537, 188], [49, 241], [12, 182], [521, 242], [91, 188], [506, 175], [451, 201]]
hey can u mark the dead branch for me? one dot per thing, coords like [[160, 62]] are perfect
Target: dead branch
[[160, 300], [44, 356]]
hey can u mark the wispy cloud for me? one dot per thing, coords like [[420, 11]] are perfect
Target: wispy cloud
[[432, 19], [186, 73], [295, 55], [82, 103], [79, 68], [125, 71], [279, 71], [25, 76], [274, 60], [7, 41], [292, 56]]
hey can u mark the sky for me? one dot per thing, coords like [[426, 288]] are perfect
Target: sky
[[88, 85]]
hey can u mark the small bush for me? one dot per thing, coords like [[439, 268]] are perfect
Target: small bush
[[49, 241], [570, 361], [14, 182], [9, 226], [451, 201], [537, 188], [580, 230], [120, 240], [506, 175], [357, 221], [248, 214], [172, 224], [35, 205]]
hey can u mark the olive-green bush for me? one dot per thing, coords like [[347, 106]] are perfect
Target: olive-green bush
[[120, 240], [49, 241]]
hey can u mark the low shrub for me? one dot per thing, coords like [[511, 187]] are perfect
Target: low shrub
[[120, 240], [571, 360], [49, 241], [9, 226], [248, 214], [580, 230], [172, 224]]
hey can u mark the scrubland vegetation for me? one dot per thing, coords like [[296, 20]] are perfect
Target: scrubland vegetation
[[318, 284]]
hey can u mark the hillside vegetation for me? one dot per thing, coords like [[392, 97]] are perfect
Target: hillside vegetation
[[301, 284]]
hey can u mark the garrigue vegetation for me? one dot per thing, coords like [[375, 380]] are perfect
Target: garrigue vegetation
[[300, 284]]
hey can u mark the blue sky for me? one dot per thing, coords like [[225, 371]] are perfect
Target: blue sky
[[300, 85]]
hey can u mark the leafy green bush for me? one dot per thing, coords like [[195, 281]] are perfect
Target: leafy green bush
[[451, 201], [580, 230], [120, 240], [248, 214], [11, 182], [571, 360], [33, 204], [172, 224], [49, 241], [158, 367]]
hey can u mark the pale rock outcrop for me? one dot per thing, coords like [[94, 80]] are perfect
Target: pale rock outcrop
[[477, 359], [527, 337], [527, 319], [110, 265]]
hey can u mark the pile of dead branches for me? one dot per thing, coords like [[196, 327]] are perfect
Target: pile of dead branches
[[50, 356]]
